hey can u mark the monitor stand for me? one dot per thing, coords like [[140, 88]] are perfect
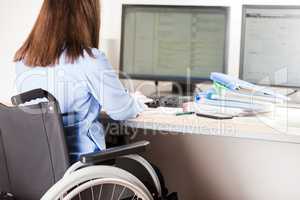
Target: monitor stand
[[183, 89]]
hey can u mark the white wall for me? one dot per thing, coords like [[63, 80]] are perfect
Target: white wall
[[17, 18]]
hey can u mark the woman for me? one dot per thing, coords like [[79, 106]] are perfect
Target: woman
[[61, 56]]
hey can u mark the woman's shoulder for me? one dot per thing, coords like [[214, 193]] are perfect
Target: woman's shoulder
[[89, 62], [96, 55], [21, 66], [97, 60], [97, 52]]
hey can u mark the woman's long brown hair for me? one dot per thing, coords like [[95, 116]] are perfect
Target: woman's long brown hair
[[70, 26]]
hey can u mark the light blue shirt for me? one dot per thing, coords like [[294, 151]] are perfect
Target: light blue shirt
[[83, 88]]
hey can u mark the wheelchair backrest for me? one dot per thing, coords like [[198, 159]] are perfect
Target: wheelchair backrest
[[33, 153]]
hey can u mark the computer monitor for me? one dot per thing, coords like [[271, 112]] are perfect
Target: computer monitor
[[173, 43], [270, 45]]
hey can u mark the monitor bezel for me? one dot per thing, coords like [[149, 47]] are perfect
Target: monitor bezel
[[165, 77], [243, 37]]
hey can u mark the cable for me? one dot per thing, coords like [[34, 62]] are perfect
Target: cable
[[156, 88], [292, 93]]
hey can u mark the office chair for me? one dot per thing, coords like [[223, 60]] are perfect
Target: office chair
[[34, 160]]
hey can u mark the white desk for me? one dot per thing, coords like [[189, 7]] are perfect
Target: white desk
[[229, 159], [283, 125]]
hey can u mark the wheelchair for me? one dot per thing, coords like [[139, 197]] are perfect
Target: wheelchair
[[34, 161]]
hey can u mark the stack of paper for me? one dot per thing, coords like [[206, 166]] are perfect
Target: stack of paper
[[233, 108], [248, 97]]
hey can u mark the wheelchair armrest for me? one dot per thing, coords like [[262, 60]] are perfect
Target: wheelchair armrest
[[31, 95], [112, 153]]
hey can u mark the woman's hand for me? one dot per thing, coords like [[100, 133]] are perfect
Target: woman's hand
[[141, 99]]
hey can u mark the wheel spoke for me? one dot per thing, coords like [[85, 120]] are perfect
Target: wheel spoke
[[92, 193], [100, 192], [123, 190], [113, 192], [106, 189], [133, 198]]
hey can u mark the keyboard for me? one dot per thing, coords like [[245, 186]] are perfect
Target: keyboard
[[169, 101]]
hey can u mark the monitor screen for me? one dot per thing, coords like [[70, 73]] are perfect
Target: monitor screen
[[270, 53], [173, 42]]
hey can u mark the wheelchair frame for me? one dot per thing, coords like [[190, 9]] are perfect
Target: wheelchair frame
[[95, 168]]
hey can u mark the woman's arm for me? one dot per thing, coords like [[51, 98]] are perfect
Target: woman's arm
[[107, 89]]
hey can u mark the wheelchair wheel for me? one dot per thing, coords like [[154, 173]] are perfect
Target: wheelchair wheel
[[99, 183]]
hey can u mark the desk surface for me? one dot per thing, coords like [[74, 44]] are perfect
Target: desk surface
[[283, 125]]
